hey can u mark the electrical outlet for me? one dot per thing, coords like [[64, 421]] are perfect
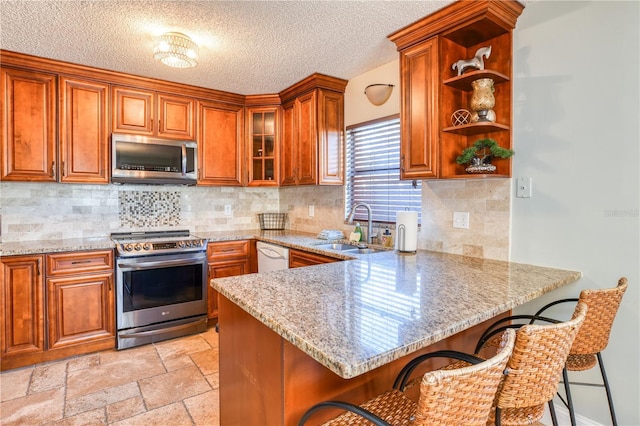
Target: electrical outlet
[[461, 220], [523, 189], [312, 210], [227, 209]]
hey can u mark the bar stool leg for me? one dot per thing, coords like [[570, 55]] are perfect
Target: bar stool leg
[[607, 389], [572, 414], [552, 411]]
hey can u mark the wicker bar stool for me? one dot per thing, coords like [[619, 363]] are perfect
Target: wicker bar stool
[[535, 367], [461, 396], [592, 338]]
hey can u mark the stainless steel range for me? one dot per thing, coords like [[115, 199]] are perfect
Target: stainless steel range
[[161, 280]]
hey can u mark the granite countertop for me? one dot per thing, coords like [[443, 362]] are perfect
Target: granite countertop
[[300, 240], [360, 314], [371, 309], [55, 246]]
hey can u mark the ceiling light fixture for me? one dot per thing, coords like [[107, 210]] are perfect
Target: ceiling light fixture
[[176, 50], [378, 93]]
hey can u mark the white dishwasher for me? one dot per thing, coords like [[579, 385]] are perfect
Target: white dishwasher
[[272, 257]]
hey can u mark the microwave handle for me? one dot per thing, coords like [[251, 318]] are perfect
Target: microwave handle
[[184, 159]]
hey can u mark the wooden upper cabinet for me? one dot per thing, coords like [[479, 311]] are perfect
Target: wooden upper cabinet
[[220, 136], [419, 111], [431, 91], [84, 131], [287, 147], [263, 145], [176, 116], [331, 137], [305, 148], [28, 104], [313, 132], [153, 114], [133, 111]]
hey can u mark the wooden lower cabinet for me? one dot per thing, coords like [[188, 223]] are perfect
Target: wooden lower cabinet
[[56, 305], [22, 306], [80, 309], [227, 259], [298, 259]]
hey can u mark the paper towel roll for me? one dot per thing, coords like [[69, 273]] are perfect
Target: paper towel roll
[[406, 231]]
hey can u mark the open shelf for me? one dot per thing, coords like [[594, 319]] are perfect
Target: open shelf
[[476, 128], [463, 82]]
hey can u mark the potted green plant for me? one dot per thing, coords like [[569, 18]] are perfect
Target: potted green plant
[[479, 155]]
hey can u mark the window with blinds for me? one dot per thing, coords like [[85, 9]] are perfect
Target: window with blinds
[[373, 172]]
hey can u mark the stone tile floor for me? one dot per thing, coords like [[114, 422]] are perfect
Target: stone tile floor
[[174, 382]]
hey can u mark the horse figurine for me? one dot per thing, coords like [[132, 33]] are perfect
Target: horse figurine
[[476, 62]]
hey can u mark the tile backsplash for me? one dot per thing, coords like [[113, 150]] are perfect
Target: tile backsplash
[[149, 209], [41, 211]]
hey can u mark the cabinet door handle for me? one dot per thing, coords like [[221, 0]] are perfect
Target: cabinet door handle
[[53, 170], [76, 262], [62, 169], [38, 267]]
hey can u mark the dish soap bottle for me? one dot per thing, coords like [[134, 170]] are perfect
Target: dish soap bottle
[[358, 231], [387, 239]]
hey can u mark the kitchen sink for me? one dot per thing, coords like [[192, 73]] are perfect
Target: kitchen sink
[[348, 248], [365, 250], [339, 247]]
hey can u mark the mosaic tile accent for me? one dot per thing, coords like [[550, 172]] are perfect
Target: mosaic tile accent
[[149, 208]]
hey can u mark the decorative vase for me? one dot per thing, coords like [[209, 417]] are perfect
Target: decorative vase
[[482, 100]]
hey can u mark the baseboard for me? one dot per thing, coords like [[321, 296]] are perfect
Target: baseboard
[[562, 413]]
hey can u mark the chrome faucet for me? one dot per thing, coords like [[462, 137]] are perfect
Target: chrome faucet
[[369, 218]]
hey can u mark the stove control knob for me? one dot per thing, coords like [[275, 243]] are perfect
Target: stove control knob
[[137, 247], [146, 246], [127, 247], [181, 244], [188, 243]]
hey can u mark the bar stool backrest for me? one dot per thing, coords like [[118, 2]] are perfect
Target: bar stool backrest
[[603, 305], [535, 368]]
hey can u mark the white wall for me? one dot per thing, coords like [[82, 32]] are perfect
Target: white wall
[[358, 109], [576, 134]]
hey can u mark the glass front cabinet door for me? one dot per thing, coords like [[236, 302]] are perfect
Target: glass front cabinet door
[[263, 146]]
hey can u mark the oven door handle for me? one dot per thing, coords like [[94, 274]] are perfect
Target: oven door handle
[[142, 265]]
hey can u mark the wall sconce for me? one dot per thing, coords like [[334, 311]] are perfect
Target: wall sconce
[[176, 50], [378, 93]]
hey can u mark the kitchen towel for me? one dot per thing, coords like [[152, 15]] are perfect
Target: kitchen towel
[[406, 231]]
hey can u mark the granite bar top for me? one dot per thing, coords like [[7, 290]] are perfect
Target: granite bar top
[[360, 314]]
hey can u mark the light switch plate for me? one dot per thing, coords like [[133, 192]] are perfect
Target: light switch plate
[[227, 209], [461, 220], [523, 188], [312, 210]]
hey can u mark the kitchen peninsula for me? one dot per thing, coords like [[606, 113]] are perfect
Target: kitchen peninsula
[[342, 330]]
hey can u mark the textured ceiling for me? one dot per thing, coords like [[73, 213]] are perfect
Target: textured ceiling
[[246, 47]]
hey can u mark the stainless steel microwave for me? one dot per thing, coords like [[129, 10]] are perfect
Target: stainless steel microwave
[[140, 159]]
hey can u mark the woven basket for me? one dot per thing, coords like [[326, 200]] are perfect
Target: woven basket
[[272, 221]]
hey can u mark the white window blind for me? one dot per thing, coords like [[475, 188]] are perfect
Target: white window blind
[[373, 172]]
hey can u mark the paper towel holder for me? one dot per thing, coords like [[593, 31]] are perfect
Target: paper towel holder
[[402, 239]]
